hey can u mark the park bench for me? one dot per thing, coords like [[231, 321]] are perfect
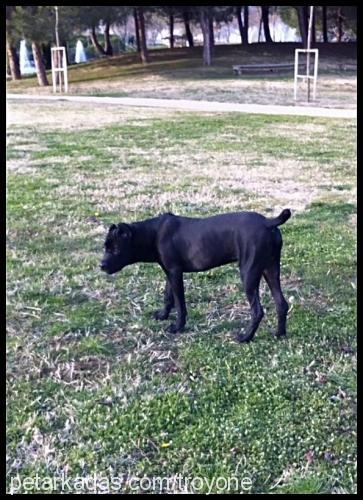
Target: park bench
[[238, 69]]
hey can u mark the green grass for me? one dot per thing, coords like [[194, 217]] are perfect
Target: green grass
[[95, 385]]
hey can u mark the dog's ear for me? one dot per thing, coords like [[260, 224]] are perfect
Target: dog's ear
[[112, 227], [124, 230]]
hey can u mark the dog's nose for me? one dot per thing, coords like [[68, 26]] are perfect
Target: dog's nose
[[102, 266]]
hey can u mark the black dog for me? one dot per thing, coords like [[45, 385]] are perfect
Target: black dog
[[184, 244]]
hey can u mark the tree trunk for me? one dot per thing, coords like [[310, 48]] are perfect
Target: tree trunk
[[108, 44], [8, 72], [260, 30], [96, 43], [13, 61], [207, 47], [325, 24], [63, 43], [137, 31], [211, 32], [266, 24], [242, 26], [188, 31], [313, 30], [171, 30], [39, 65], [245, 22], [303, 24], [143, 49], [340, 25], [47, 57]]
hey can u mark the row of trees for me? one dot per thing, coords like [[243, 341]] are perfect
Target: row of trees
[[37, 24]]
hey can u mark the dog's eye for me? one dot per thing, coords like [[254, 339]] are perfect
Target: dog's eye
[[109, 248], [112, 247]]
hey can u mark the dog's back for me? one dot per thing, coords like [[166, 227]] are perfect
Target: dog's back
[[198, 244]]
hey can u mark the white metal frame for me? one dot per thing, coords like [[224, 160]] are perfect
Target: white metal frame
[[59, 67], [313, 77]]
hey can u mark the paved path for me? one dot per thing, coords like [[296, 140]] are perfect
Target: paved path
[[208, 106]]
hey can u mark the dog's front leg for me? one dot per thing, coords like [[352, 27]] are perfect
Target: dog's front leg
[[175, 278], [168, 303]]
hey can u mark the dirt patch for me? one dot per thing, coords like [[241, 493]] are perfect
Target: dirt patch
[[20, 167]]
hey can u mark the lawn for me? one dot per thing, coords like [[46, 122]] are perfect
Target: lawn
[[95, 386], [180, 74]]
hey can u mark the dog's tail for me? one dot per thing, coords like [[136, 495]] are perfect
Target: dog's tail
[[281, 219]]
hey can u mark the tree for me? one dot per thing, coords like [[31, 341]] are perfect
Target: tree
[[313, 30], [47, 54], [222, 14], [137, 30], [243, 27], [35, 23], [205, 23], [188, 32], [349, 18], [142, 34], [91, 17], [265, 21], [296, 17], [108, 44], [171, 28], [110, 15], [333, 22], [324, 23], [169, 14], [340, 22], [174, 13], [303, 23], [339, 15], [11, 39], [13, 61], [206, 17]]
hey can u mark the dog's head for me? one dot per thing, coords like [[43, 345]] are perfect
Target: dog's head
[[118, 248]]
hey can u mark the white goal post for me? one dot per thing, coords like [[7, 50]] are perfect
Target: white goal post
[[307, 76], [59, 69], [308, 50]]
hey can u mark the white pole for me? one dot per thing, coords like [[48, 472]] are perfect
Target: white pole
[[308, 47], [310, 26], [53, 72], [315, 73], [58, 75], [295, 76], [56, 26], [65, 70]]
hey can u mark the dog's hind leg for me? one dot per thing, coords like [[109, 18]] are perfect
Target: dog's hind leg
[[175, 278], [168, 303], [272, 277], [251, 278]]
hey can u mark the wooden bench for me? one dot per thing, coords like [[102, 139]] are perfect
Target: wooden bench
[[238, 69]]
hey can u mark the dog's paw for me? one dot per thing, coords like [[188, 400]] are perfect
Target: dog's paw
[[174, 328], [243, 339], [160, 315], [279, 335]]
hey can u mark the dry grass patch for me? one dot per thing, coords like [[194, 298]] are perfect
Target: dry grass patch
[[82, 116]]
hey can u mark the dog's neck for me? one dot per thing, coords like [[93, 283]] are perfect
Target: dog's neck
[[144, 236]]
